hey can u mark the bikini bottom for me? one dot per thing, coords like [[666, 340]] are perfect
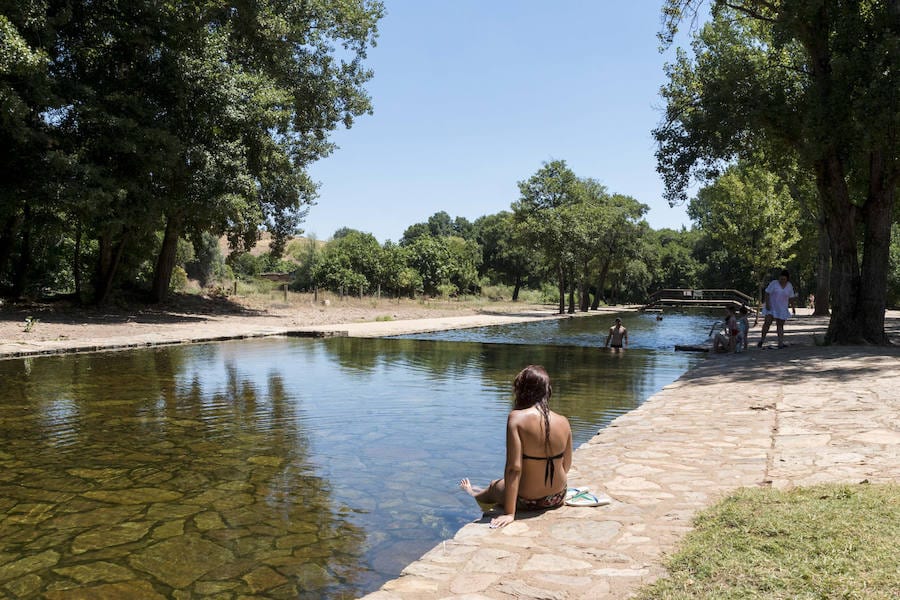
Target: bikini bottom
[[551, 501]]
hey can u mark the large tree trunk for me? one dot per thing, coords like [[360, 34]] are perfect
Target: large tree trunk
[[845, 326], [562, 290], [516, 287], [76, 260], [601, 281], [165, 262], [877, 217], [584, 300], [7, 240], [23, 265], [595, 304], [572, 296], [823, 271], [110, 255]]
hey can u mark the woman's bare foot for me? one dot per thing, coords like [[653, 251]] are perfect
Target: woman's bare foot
[[467, 487]]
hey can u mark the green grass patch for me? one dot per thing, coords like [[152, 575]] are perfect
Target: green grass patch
[[828, 541], [384, 318]]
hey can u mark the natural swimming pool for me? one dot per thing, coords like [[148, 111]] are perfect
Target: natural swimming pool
[[282, 467]]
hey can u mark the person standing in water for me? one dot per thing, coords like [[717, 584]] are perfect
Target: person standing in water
[[618, 335], [538, 452]]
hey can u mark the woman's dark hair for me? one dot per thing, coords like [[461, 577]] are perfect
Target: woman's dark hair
[[532, 388], [785, 273]]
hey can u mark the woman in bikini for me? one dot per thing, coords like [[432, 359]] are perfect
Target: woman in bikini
[[538, 452]]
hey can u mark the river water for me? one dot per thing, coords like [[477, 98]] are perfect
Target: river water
[[281, 467]]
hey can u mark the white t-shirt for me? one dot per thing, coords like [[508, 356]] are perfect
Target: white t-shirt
[[779, 299]]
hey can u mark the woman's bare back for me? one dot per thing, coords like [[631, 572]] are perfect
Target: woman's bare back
[[536, 471]]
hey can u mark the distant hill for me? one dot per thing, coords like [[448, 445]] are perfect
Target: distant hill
[[262, 246]]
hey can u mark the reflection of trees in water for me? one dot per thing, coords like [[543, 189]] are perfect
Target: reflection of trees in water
[[591, 385], [235, 442], [430, 358]]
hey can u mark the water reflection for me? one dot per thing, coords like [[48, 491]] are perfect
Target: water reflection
[[277, 468]]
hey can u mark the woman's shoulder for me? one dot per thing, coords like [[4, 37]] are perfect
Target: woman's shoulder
[[555, 416]]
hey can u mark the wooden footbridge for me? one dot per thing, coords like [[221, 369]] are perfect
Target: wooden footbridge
[[700, 298]]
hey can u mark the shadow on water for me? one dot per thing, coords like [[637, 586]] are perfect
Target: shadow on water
[[279, 467]]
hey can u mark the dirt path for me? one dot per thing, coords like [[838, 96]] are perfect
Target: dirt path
[[56, 329]]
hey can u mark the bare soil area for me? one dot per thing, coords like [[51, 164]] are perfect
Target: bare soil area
[[62, 321]]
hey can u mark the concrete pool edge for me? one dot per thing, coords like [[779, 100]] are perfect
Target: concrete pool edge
[[782, 418], [205, 332]]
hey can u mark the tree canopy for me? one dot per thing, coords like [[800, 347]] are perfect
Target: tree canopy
[[149, 122], [813, 82]]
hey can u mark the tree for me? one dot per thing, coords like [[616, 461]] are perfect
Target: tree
[[397, 275], [277, 88], [671, 256], [352, 261], [753, 216], [182, 118], [540, 216], [815, 81], [440, 224], [446, 264], [504, 256], [616, 234], [465, 258], [431, 259]]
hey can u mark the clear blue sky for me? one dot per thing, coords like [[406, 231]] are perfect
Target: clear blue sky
[[471, 97]]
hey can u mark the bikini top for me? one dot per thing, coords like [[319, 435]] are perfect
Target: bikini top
[[550, 469]]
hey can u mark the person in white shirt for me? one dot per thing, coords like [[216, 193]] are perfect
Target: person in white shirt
[[778, 306]]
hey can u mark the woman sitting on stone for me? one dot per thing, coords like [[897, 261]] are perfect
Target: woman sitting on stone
[[538, 452]]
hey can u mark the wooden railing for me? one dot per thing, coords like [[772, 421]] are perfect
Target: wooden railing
[[696, 297]]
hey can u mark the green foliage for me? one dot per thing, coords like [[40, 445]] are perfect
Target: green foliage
[[246, 266], [179, 280], [431, 259], [307, 255], [128, 119], [894, 268], [440, 224], [805, 86], [581, 232], [351, 261], [750, 214], [505, 258], [207, 263]]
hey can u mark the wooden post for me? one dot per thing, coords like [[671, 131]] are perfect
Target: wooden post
[[235, 287], [285, 292]]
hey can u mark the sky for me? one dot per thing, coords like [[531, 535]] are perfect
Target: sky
[[470, 97]]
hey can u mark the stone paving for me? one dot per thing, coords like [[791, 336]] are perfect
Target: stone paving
[[798, 416]]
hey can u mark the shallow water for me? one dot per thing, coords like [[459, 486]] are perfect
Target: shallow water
[[281, 467]]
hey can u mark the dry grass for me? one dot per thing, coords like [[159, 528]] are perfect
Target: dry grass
[[830, 541]]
